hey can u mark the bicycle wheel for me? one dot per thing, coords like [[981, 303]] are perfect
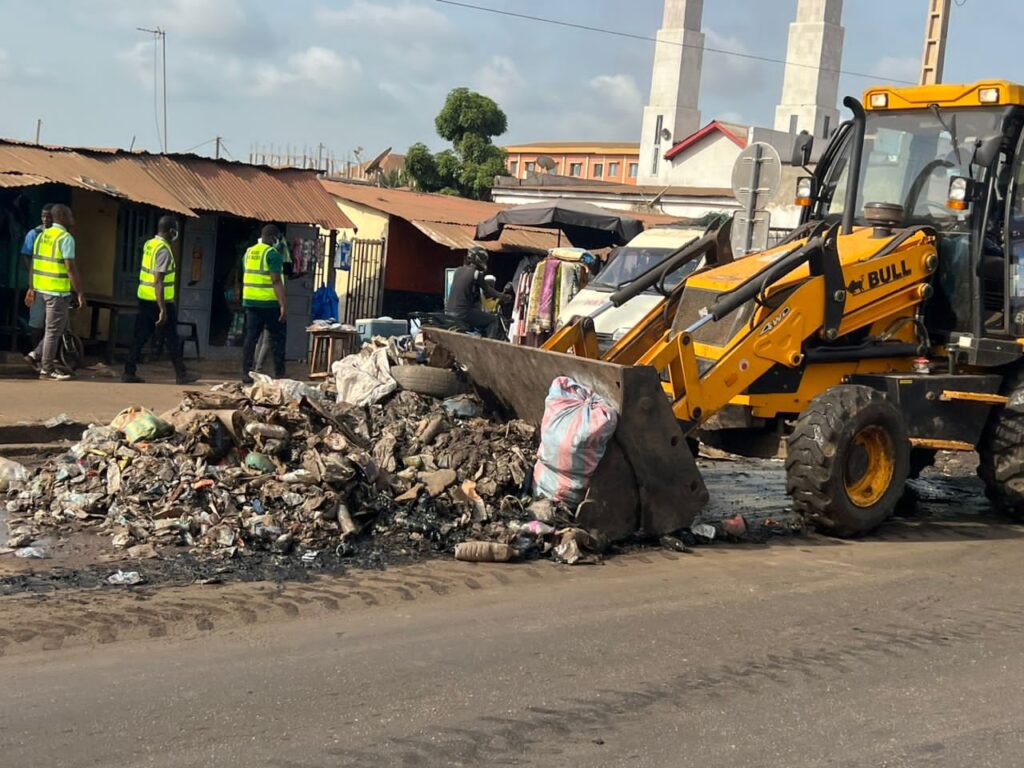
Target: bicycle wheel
[[71, 352]]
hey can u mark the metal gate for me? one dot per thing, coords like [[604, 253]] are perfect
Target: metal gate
[[365, 292]]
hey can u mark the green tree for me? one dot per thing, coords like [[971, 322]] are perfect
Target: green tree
[[470, 121]]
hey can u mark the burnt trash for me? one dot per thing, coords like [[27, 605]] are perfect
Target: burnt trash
[[282, 468]]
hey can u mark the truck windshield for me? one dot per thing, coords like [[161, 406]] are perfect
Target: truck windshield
[[909, 158], [631, 262]]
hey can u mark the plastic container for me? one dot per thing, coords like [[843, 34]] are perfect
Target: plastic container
[[369, 327]]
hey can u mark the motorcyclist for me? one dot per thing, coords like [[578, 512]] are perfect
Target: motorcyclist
[[463, 302]]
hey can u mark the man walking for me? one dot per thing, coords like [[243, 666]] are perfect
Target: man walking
[[54, 276], [157, 280], [263, 297], [37, 310]]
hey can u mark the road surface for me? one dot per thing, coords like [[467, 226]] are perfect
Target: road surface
[[902, 650]]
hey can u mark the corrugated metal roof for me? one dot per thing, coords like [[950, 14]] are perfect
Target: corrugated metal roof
[[286, 195], [460, 237], [415, 206], [112, 174], [21, 180], [180, 183]]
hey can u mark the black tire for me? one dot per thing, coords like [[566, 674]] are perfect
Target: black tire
[[426, 380], [848, 435], [1001, 451]]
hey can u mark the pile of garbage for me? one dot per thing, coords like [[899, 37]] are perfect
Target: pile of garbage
[[280, 466]]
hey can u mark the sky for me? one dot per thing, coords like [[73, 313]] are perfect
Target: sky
[[373, 73]]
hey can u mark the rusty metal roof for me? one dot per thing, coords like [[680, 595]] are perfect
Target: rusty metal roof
[[183, 184], [447, 220], [418, 206], [110, 173], [256, 192], [460, 237]]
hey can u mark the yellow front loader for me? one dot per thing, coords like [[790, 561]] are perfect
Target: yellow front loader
[[889, 325]]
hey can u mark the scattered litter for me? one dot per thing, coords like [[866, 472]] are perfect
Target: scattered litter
[[309, 556], [734, 526], [34, 553], [271, 467], [704, 532], [483, 552], [462, 406], [125, 578], [674, 544], [12, 474], [58, 421]]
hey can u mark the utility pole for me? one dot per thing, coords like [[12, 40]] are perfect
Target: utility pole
[[161, 35], [935, 31], [39, 128], [216, 151]]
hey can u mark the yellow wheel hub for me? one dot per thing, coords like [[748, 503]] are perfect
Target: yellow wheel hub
[[870, 466]]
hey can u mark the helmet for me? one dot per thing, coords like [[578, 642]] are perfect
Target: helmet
[[477, 257]]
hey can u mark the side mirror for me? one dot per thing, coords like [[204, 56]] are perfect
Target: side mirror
[[804, 191], [986, 150], [803, 143]]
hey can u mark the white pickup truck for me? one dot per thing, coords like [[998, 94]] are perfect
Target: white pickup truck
[[643, 252]]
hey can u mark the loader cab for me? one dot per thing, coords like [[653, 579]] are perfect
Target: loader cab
[[913, 149]]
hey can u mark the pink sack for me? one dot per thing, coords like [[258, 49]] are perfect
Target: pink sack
[[574, 434]]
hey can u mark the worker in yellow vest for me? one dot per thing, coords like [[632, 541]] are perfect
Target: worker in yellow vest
[[54, 277], [157, 285], [264, 301]]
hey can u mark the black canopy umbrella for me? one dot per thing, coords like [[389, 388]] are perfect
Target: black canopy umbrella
[[585, 225]]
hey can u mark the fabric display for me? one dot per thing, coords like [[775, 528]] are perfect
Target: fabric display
[[542, 292]]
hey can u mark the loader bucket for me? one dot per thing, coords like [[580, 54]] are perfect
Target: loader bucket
[[648, 480]]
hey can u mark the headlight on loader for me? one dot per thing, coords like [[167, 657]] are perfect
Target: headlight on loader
[[804, 191]]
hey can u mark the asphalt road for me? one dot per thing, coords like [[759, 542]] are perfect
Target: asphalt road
[[904, 650]]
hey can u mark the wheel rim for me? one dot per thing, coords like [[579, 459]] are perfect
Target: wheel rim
[[870, 466]]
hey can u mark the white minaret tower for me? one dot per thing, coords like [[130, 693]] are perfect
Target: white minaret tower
[[675, 87], [811, 85]]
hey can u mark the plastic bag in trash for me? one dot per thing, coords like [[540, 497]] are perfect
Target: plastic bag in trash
[[12, 474], [280, 391], [364, 378], [577, 425], [141, 424]]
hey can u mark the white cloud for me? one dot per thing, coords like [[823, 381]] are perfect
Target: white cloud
[[5, 65], [139, 61], [619, 93], [731, 116], [316, 67], [405, 19], [726, 74], [890, 68], [501, 80]]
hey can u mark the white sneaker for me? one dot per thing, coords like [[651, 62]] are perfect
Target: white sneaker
[[32, 359], [54, 375]]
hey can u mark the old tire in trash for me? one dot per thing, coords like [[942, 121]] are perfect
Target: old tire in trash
[[427, 380], [1001, 451], [847, 460]]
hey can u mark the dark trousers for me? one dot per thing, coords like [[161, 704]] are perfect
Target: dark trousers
[[484, 322], [145, 326], [256, 319]]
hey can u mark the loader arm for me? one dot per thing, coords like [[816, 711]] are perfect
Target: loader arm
[[579, 337], [881, 277]]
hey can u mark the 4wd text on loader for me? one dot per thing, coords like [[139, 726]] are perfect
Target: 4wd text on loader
[[888, 325]]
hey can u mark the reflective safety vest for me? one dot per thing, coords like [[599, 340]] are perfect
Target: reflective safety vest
[[49, 272], [257, 283], [147, 275]]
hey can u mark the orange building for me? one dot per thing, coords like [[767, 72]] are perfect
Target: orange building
[[613, 161]]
